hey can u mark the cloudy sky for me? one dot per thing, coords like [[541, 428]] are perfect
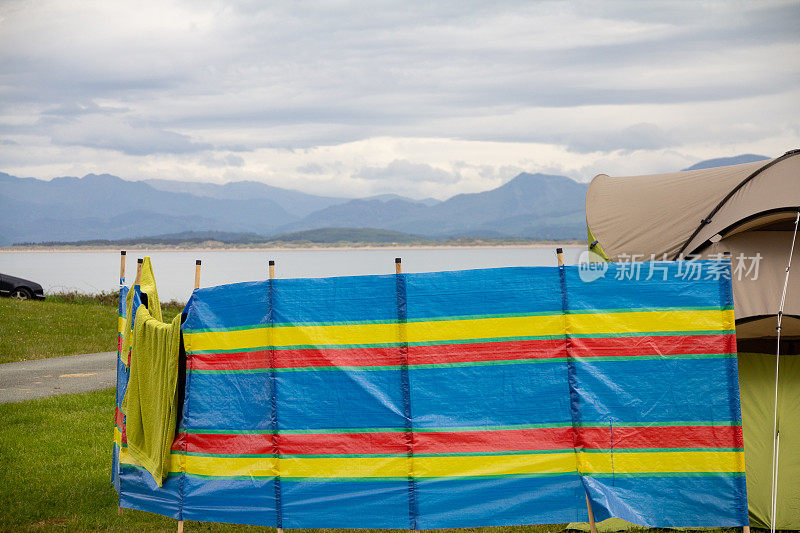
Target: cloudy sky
[[421, 99]]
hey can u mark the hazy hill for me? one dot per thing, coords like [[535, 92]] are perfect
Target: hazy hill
[[105, 206], [294, 202], [528, 206], [725, 161]]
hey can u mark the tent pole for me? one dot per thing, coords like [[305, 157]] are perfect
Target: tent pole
[[592, 525], [775, 432]]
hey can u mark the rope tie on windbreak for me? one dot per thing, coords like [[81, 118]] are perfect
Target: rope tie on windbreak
[[775, 433]]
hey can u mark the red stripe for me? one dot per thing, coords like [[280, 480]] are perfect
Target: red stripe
[[472, 352], [394, 442], [660, 437], [655, 345], [467, 441], [118, 417]]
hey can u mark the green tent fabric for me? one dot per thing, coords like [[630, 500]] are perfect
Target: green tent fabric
[[757, 385], [150, 403]]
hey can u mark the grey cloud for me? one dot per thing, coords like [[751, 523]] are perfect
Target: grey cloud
[[641, 136], [128, 138], [407, 171]]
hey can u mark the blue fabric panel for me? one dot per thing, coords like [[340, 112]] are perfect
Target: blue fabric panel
[[141, 492], [656, 390], [634, 291], [227, 401], [500, 501], [224, 499], [345, 504], [672, 501], [483, 292], [340, 399], [492, 395]]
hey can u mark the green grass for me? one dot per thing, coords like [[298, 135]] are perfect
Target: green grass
[[55, 460], [63, 324]]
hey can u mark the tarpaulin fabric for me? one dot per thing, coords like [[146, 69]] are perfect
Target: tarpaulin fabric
[[122, 382], [129, 302], [458, 399], [757, 382], [150, 403]]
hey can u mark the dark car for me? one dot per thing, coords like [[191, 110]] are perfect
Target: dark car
[[19, 288]]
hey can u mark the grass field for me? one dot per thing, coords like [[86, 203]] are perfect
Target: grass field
[[55, 460], [64, 324]]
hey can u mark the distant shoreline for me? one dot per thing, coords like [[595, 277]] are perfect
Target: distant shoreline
[[269, 247]]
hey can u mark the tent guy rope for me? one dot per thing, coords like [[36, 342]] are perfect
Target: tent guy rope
[[775, 433]]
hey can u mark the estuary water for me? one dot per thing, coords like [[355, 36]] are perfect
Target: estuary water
[[95, 271]]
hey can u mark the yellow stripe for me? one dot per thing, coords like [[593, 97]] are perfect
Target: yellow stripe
[[644, 462], [120, 324], [448, 466], [546, 463], [117, 436], [434, 331]]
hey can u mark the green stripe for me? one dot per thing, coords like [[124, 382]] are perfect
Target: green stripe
[[459, 317], [664, 474], [484, 340], [600, 424], [449, 454], [656, 450], [467, 363], [654, 475]]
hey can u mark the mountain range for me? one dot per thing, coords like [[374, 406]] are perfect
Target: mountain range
[[102, 206]]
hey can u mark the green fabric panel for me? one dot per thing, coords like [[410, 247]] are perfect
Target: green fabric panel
[[596, 248], [150, 404], [757, 385]]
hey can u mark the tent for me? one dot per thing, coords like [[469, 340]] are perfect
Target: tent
[[748, 210]]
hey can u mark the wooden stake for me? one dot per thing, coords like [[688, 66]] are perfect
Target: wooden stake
[[592, 525], [122, 267], [560, 255], [138, 271], [180, 526], [272, 270], [119, 511], [197, 274], [398, 269], [745, 529]]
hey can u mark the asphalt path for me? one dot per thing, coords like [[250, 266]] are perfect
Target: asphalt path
[[27, 380]]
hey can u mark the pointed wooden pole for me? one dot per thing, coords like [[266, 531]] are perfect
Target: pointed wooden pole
[[139, 263], [560, 256], [398, 269], [197, 264], [272, 276], [121, 283], [122, 267]]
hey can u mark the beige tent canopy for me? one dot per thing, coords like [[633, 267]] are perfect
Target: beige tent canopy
[[744, 209]]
